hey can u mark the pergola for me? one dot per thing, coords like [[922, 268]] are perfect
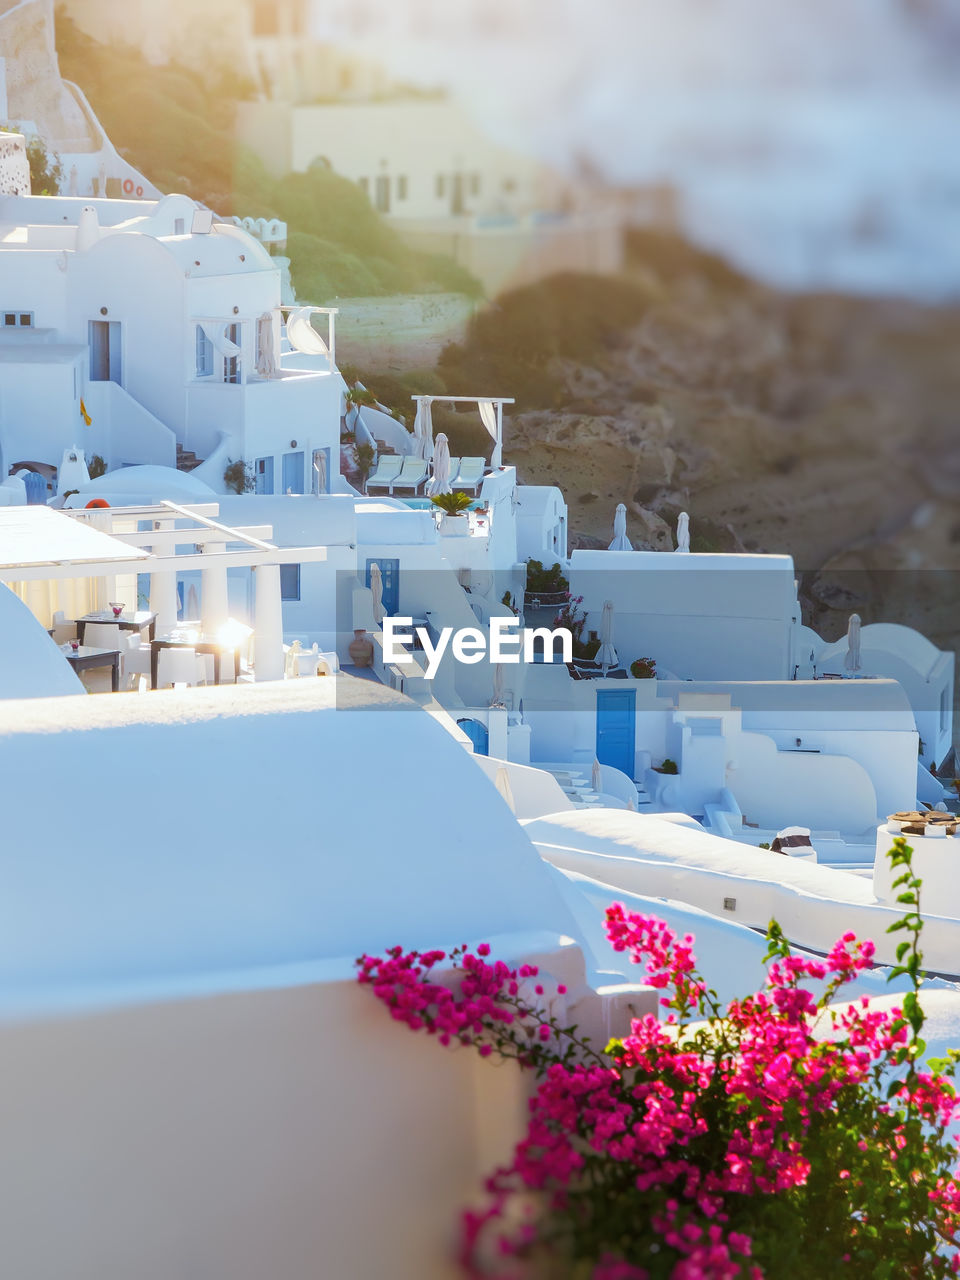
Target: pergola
[[491, 415], [77, 560]]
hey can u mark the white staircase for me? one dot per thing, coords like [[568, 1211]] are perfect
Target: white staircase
[[576, 786]]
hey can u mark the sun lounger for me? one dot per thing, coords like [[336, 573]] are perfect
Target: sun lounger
[[388, 468], [469, 476], [412, 475]]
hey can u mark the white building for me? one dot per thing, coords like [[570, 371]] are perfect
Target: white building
[[137, 330], [200, 363]]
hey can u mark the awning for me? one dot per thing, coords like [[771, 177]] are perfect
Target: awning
[[32, 536]]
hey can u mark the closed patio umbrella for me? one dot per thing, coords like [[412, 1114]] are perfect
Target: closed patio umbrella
[[851, 661], [440, 482], [423, 429], [596, 777], [376, 590], [607, 654], [502, 784], [497, 699], [683, 532], [620, 540]]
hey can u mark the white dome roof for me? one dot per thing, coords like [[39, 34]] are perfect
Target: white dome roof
[[322, 819], [143, 485]]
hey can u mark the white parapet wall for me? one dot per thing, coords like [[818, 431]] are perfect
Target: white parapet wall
[[936, 859], [195, 1084]]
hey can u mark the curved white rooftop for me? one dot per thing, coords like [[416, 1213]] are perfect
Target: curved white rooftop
[[31, 665], [652, 856], [142, 485], [50, 223], [617, 833], [888, 638], [223, 829]]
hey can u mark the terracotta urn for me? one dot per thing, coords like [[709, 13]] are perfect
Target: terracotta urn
[[360, 649]]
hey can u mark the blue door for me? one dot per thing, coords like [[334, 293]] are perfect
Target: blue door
[[616, 729], [36, 487], [293, 472], [263, 475], [390, 574], [477, 733]]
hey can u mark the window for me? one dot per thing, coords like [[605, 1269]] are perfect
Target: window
[[475, 183], [179, 226], [402, 186], [204, 354], [440, 185], [289, 582], [382, 200], [231, 364], [18, 319]]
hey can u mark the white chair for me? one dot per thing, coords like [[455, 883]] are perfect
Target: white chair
[[62, 630], [180, 666], [101, 635], [387, 470], [469, 476], [135, 662], [412, 475]]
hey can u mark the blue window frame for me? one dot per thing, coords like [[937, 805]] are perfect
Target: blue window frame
[[204, 354]]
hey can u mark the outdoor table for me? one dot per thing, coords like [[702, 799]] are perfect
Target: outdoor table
[[85, 657], [126, 621], [181, 641]]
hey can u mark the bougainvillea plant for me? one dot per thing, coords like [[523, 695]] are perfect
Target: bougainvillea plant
[[783, 1136]]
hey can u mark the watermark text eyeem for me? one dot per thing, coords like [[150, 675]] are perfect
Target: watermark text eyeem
[[471, 645]]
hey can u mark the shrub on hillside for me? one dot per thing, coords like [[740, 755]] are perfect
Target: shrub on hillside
[[511, 344], [322, 270]]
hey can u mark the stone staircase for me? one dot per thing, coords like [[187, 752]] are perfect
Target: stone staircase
[[187, 460]]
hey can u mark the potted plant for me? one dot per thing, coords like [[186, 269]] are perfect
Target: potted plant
[[644, 669], [668, 766], [455, 522], [364, 455]]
